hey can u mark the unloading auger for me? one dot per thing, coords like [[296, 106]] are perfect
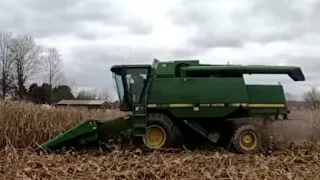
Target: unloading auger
[[178, 102]]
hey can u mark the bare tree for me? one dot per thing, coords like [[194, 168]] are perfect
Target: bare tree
[[103, 95], [53, 67], [312, 97], [73, 85], [86, 95], [26, 55], [6, 64]]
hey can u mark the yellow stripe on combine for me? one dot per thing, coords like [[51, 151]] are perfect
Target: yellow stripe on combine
[[152, 105], [267, 105], [230, 105], [238, 104], [181, 105], [257, 105], [170, 105]]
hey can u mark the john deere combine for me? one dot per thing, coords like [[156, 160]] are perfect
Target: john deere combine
[[173, 102]]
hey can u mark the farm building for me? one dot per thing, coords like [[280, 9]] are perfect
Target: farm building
[[90, 104]]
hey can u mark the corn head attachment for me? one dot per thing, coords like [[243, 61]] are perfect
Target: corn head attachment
[[91, 132]]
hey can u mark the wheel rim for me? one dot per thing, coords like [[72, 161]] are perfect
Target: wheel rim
[[248, 140], [155, 137]]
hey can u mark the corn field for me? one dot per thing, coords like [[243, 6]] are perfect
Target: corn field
[[25, 124]]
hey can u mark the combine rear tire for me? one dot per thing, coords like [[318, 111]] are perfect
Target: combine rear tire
[[161, 132], [247, 139]]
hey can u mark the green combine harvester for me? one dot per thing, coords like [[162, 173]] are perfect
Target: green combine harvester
[[174, 103]]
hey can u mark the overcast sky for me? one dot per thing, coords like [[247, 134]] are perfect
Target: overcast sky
[[93, 35]]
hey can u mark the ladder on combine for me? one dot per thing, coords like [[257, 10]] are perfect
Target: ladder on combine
[[139, 121], [140, 114]]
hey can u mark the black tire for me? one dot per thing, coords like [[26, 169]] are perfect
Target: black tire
[[172, 132], [241, 130]]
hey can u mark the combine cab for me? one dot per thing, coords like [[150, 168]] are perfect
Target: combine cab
[[175, 102]]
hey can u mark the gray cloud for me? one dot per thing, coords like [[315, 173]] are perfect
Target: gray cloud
[[210, 25], [91, 67], [185, 52], [44, 18], [310, 65], [213, 24], [211, 39], [256, 21]]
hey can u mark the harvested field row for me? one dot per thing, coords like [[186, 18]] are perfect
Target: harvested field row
[[301, 162]]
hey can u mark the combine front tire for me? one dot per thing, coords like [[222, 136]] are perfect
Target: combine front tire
[[247, 139], [161, 132]]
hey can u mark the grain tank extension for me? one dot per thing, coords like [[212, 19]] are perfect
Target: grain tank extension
[[180, 102]]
